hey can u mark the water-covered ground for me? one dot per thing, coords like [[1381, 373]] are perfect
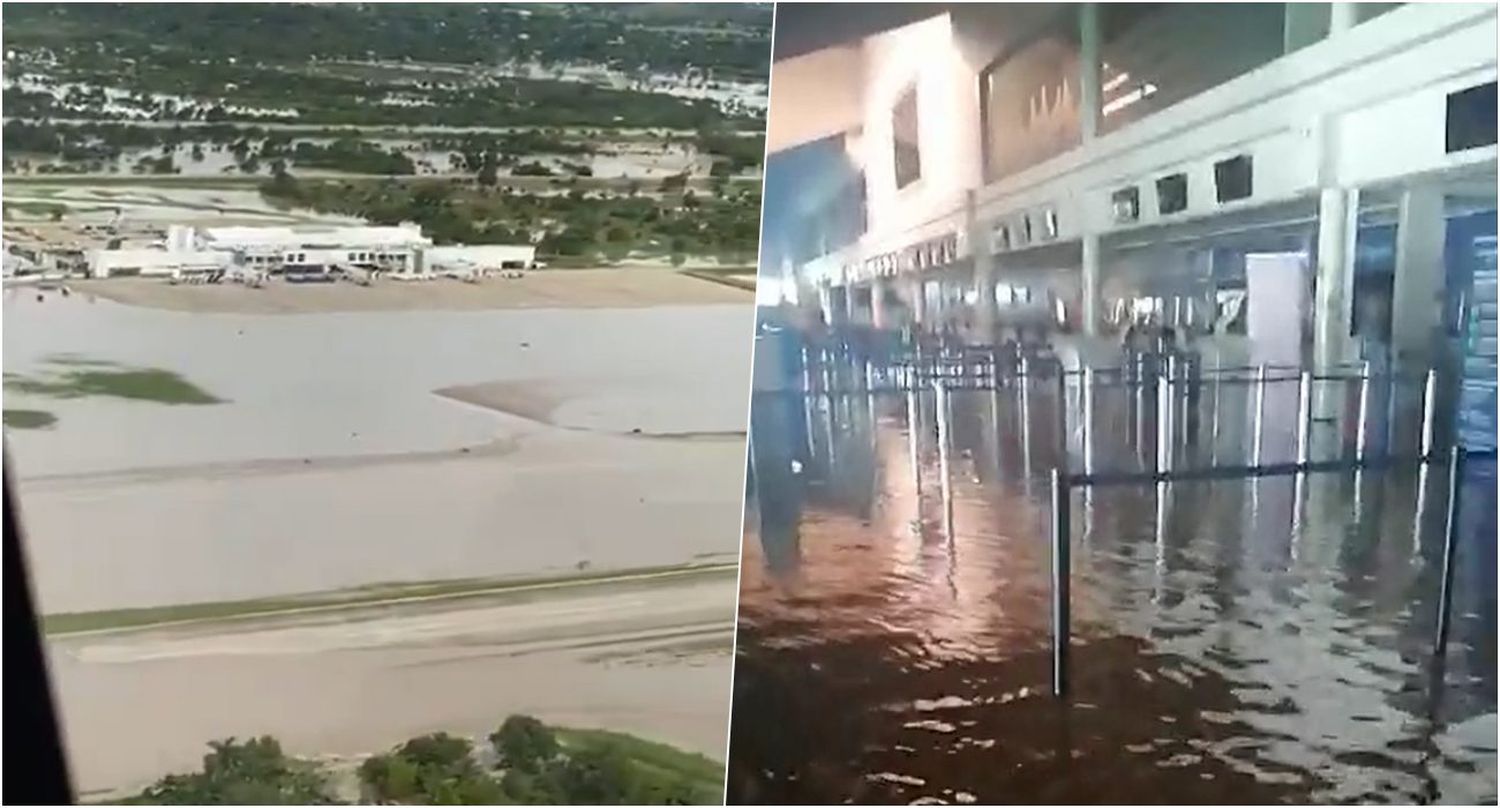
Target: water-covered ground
[[1234, 641], [333, 460]]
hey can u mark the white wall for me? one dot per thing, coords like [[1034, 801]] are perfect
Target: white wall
[[814, 96], [482, 256], [948, 130]]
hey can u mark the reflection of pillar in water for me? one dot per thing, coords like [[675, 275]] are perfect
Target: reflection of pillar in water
[[1025, 392], [828, 431], [807, 405], [1163, 495], [1213, 417], [913, 428], [1088, 420], [999, 436], [943, 438]]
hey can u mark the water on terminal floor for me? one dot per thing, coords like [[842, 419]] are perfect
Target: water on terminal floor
[[1232, 641]]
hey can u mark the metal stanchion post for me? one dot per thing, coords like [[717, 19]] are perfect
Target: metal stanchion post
[[1362, 438], [1450, 550], [1258, 434], [1061, 571], [1163, 424], [1429, 415], [1304, 414], [1088, 420], [945, 482], [913, 431]]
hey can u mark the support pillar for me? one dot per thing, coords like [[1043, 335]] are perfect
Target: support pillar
[[1338, 220], [918, 299], [985, 314], [1342, 17], [879, 317], [1089, 96], [1417, 306], [1090, 284]]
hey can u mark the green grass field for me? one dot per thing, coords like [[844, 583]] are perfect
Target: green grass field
[[384, 594], [705, 774], [29, 419], [139, 384]]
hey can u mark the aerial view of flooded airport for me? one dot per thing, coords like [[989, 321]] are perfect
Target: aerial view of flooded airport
[[375, 394], [1094, 461]]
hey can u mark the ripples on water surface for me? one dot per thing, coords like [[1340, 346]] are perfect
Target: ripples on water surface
[[1234, 651]]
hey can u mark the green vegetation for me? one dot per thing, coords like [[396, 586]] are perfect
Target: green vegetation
[[141, 384], [400, 63], [540, 765], [579, 225], [121, 619], [526, 762], [29, 419], [345, 154], [255, 772]]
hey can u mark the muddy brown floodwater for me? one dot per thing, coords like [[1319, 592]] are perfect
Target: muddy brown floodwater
[[1228, 647]]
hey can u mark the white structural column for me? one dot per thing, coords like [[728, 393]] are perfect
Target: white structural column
[[1089, 99], [1342, 17], [1338, 225], [1090, 312], [879, 318], [984, 272], [918, 298], [1416, 306], [1338, 219]]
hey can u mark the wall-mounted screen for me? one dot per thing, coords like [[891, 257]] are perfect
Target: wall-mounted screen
[[1126, 204], [1232, 178], [1171, 194], [1471, 118]]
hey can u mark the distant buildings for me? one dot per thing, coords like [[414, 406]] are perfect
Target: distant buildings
[[401, 252]]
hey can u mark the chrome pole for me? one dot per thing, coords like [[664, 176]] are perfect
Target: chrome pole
[[1163, 424], [1429, 415], [1304, 413], [945, 482], [913, 428], [1061, 572], [1362, 442], [1258, 435], [1088, 420], [1450, 550]]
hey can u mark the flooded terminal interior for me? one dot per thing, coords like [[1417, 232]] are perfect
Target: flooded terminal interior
[[1141, 456]]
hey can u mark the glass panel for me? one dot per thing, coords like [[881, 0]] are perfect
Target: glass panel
[[1030, 100], [1156, 54]]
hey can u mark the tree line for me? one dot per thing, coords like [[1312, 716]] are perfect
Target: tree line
[[523, 762]]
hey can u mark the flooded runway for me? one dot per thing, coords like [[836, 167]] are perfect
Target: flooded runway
[[1233, 641]]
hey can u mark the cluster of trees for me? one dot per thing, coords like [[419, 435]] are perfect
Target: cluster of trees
[[348, 154], [732, 152], [532, 767], [734, 39], [255, 772], [276, 58], [525, 762], [679, 222]]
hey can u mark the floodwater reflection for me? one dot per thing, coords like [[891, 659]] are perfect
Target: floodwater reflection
[[1233, 641]]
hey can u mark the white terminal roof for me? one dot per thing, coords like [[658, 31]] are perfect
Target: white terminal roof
[[395, 236]]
